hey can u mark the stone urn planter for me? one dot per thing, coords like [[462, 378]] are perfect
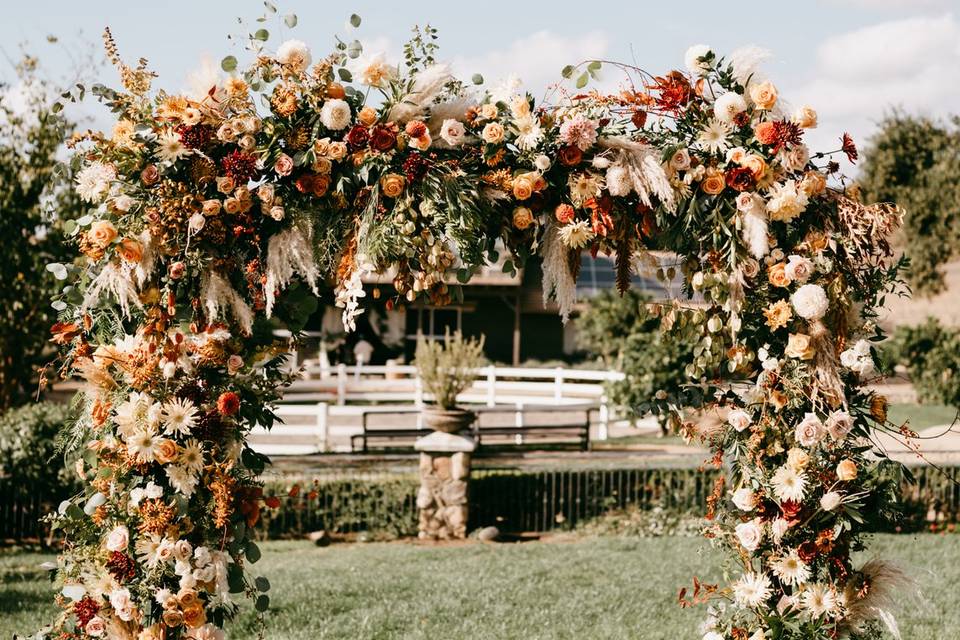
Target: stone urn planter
[[447, 420]]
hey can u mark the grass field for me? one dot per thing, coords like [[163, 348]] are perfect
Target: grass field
[[597, 588]]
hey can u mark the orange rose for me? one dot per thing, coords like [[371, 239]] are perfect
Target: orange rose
[[193, 616], [231, 205], [335, 90], [778, 275], [814, 183], [130, 250], [756, 164], [798, 346], [764, 95], [714, 183], [167, 451], [172, 618], [522, 187], [187, 597], [847, 469], [102, 233], [367, 116], [522, 218], [392, 185]]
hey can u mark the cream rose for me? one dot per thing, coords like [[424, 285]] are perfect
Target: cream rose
[[798, 346], [118, 539], [492, 133], [847, 470], [744, 499], [764, 95], [830, 500], [810, 430], [805, 117], [749, 534], [739, 419]]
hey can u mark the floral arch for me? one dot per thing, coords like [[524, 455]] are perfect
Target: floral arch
[[213, 215]]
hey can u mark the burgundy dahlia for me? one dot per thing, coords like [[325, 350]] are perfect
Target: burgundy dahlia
[[195, 136], [240, 166], [85, 609], [121, 566], [415, 167]]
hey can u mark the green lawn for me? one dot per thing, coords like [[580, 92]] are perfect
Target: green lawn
[[921, 416], [585, 589]]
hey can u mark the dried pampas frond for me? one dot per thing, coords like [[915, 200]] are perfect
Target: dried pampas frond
[[558, 280], [746, 62], [218, 297], [288, 254], [643, 170], [754, 232], [117, 279], [427, 86], [148, 261], [827, 383], [876, 589]]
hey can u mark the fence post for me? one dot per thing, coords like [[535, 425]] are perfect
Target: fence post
[[341, 384], [491, 386], [518, 422], [558, 384], [602, 431], [323, 426], [418, 391]]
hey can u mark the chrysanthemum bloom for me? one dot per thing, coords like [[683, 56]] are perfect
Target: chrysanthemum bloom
[[228, 403]]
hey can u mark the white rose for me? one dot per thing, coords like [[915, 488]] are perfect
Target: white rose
[[295, 54], [118, 539], [749, 534], [839, 424], [810, 302], [830, 501], [810, 430], [728, 106], [858, 359], [542, 162], [692, 60], [748, 202], [744, 499], [122, 604], [778, 528], [739, 419], [182, 550], [335, 114], [452, 132], [799, 268], [196, 222]]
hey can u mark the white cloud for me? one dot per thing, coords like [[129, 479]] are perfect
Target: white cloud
[[860, 75], [913, 5], [536, 59]]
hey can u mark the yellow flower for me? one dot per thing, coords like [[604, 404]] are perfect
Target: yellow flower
[[778, 314]]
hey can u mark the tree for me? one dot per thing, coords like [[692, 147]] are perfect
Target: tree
[[627, 336], [931, 354], [915, 162], [34, 206]]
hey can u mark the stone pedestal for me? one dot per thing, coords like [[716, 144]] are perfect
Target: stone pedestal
[[444, 474]]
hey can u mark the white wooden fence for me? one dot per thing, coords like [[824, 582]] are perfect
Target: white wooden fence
[[320, 412]]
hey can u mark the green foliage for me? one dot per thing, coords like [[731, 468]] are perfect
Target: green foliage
[[626, 336], [931, 354], [915, 162], [448, 368], [28, 449], [36, 205]]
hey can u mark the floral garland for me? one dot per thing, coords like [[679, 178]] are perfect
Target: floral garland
[[212, 214]]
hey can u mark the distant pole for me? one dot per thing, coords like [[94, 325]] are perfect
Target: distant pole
[[516, 332]]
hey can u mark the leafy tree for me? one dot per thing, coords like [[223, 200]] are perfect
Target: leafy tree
[[931, 354], [35, 202], [626, 336], [915, 162]]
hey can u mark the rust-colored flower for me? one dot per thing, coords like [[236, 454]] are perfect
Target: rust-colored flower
[[564, 213], [570, 156], [765, 132], [358, 137], [790, 509], [130, 250], [740, 178], [808, 551], [878, 408], [392, 185], [383, 137], [64, 332], [228, 403], [848, 147]]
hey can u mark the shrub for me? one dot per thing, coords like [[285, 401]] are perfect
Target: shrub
[[626, 336], [448, 368], [931, 354], [28, 450]]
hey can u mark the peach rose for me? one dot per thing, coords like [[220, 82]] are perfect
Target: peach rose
[[798, 346], [805, 117], [211, 207], [101, 233], [756, 164], [713, 183], [231, 205], [522, 218], [193, 616], [847, 469], [226, 184], [764, 95], [95, 627], [336, 91], [367, 116], [564, 213], [778, 275], [337, 150], [492, 133], [522, 187], [130, 250], [814, 183], [392, 184], [284, 165], [150, 175], [167, 451], [172, 618], [489, 111]]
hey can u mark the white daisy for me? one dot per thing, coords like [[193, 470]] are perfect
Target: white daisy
[[191, 455], [788, 484], [713, 138], [93, 181], [576, 235], [790, 569], [146, 548], [529, 133], [752, 590], [179, 416], [819, 600], [170, 148], [584, 186], [143, 444]]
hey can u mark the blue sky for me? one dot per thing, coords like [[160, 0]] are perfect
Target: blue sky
[[850, 59]]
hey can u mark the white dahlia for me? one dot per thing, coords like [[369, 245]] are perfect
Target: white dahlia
[[692, 60], [576, 235], [810, 302], [752, 590], [788, 484], [790, 569], [713, 137], [93, 181], [295, 54], [729, 106], [335, 114]]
